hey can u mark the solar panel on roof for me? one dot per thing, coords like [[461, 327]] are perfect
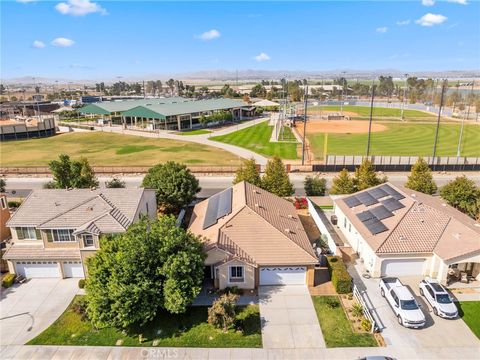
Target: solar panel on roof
[[381, 212], [352, 201], [365, 215], [218, 206], [375, 226], [392, 204], [390, 191], [377, 193], [366, 198]]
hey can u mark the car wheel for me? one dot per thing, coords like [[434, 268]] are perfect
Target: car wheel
[[421, 292], [400, 320], [382, 293], [435, 311]]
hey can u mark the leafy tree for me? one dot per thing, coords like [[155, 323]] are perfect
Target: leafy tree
[[222, 312], [154, 265], [3, 185], [421, 178], [462, 194], [174, 184], [365, 176], [115, 183], [72, 173], [344, 183], [275, 179], [315, 186], [249, 172]]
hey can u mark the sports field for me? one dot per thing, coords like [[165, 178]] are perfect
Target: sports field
[[257, 139], [103, 149]]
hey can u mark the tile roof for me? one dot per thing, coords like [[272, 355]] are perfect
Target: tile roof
[[426, 224], [264, 228], [37, 252]]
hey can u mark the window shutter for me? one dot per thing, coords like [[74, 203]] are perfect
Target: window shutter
[[39, 235], [49, 236], [20, 234]]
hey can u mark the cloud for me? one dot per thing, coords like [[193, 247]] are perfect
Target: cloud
[[428, 2], [403, 22], [26, 1], [262, 57], [461, 2], [79, 8], [209, 35], [62, 42], [382, 30], [37, 44], [431, 19]]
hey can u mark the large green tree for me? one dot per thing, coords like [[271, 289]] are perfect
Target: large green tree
[[154, 265], [3, 185], [315, 186], [344, 183], [249, 172], [366, 177], [462, 194], [69, 173], [174, 184], [421, 178], [275, 179]]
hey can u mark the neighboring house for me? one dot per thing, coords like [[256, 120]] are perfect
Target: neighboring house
[[54, 231], [401, 232], [253, 238], [4, 216]]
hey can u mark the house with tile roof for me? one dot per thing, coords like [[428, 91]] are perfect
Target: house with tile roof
[[400, 232], [252, 238], [55, 230]]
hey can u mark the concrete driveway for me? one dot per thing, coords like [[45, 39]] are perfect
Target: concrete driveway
[[437, 333], [289, 320], [29, 308]]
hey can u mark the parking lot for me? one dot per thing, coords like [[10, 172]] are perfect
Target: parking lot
[[437, 331]]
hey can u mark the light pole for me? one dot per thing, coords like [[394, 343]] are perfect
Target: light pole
[[304, 124], [404, 95], [444, 87], [343, 88], [371, 118], [463, 121]]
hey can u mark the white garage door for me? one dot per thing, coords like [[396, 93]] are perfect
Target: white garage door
[[38, 269], [73, 269], [402, 267], [291, 275]]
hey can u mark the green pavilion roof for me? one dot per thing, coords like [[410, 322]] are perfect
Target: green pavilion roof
[[108, 107]]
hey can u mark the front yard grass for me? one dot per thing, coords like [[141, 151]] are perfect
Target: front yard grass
[[469, 311], [336, 328], [185, 330]]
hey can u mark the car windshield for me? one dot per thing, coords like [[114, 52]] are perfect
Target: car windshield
[[409, 305], [443, 299]]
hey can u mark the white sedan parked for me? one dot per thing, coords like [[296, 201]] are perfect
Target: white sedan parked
[[438, 298]]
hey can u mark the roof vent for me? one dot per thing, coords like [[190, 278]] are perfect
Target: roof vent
[[287, 231], [413, 195], [57, 204], [402, 238], [290, 216], [422, 221], [457, 236], [256, 205], [476, 224], [90, 208], [93, 188]]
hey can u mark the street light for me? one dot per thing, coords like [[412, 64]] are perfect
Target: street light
[[404, 94], [343, 87]]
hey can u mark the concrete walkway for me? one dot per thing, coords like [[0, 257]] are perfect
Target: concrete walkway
[[199, 139], [289, 320]]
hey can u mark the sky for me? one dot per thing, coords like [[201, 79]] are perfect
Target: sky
[[87, 39]]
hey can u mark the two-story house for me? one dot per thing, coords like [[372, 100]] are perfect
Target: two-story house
[[54, 231]]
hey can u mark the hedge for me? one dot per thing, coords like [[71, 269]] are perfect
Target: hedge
[[8, 280], [341, 279]]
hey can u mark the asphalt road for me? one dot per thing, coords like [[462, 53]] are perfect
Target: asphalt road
[[21, 187]]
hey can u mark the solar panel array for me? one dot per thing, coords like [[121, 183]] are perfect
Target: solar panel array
[[352, 201], [378, 193], [375, 226], [392, 204], [219, 205], [363, 216], [392, 192], [381, 212], [366, 198]]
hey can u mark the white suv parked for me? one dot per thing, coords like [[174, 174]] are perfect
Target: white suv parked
[[438, 298]]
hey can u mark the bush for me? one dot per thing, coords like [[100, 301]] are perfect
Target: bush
[[14, 204], [81, 283], [235, 290], [79, 306], [8, 280], [222, 312], [341, 279], [357, 310], [332, 303], [300, 203], [315, 186], [366, 325]]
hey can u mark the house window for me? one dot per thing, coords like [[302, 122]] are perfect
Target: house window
[[345, 222], [236, 274], [4, 202], [349, 227], [88, 240], [27, 233], [63, 235]]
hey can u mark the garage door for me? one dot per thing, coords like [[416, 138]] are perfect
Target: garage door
[[73, 269], [38, 269], [283, 275], [402, 267]]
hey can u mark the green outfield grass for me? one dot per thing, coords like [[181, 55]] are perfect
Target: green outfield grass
[[257, 139], [364, 112], [401, 139], [103, 149]]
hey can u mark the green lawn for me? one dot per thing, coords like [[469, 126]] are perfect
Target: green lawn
[[401, 139], [186, 330], [364, 112], [257, 139], [103, 149], [193, 132], [469, 311], [336, 328]]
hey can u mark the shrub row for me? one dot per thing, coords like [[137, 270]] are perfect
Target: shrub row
[[8, 280], [341, 279]]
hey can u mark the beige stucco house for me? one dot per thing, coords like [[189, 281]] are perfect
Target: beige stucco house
[[400, 232], [253, 238], [54, 231]]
